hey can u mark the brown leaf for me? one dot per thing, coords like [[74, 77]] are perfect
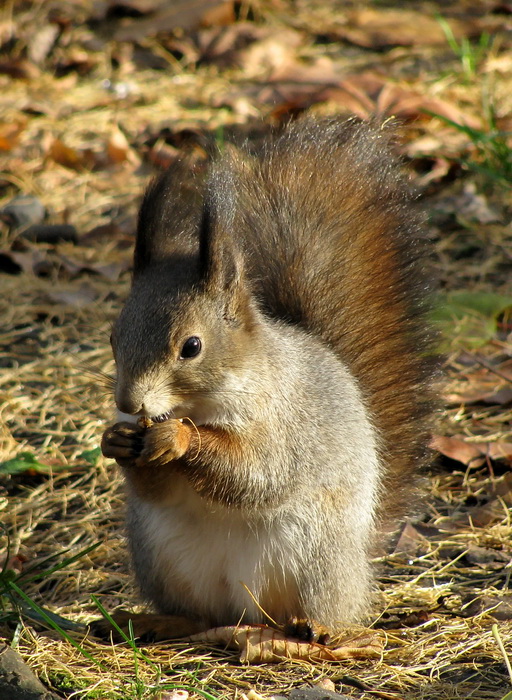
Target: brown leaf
[[485, 557], [502, 397], [406, 619], [9, 134], [70, 157], [15, 563], [495, 509], [31, 261], [459, 450], [41, 42], [184, 14], [412, 538], [441, 168], [471, 454], [108, 231], [20, 69], [80, 297], [119, 150], [262, 644], [409, 541], [369, 92], [110, 271], [375, 28], [497, 450], [219, 15], [499, 606]]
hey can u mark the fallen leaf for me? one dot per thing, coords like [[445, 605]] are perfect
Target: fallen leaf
[[462, 451], [229, 46], [30, 261], [110, 271], [441, 168], [474, 314], [485, 557], [83, 296], [495, 510], [470, 206], [465, 452], [70, 157], [180, 13], [9, 134], [19, 69], [413, 536], [497, 450], [502, 397], [15, 563], [119, 150], [41, 42], [475, 396], [499, 606], [376, 28], [91, 456], [363, 94], [24, 462], [406, 619], [262, 644]]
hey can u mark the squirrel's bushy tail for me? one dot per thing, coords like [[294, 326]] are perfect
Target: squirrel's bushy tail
[[334, 245]]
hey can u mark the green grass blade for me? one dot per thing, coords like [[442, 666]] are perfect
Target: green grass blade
[[54, 625], [130, 640], [57, 567]]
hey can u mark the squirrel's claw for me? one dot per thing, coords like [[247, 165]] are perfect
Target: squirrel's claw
[[306, 631], [122, 441], [164, 443]]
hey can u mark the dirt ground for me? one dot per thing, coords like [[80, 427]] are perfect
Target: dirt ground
[[95, 97]]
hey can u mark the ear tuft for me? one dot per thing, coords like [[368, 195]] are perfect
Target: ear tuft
[[220, 262], [168, 216]]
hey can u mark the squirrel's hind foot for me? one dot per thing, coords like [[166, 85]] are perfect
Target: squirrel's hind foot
[[146, 627]]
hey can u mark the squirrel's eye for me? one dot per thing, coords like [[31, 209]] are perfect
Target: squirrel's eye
[[191, 348]]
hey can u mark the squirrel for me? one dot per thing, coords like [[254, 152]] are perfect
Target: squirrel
[[273, 380]]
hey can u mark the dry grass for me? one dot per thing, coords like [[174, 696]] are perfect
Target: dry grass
[[436, 645]]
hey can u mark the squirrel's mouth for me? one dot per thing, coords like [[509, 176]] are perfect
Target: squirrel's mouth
[[162, 417]]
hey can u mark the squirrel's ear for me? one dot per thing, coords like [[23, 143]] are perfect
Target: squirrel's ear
[[168, 214], [220, 262]]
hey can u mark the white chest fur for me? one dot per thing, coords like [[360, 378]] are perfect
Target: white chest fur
[[204, 556]]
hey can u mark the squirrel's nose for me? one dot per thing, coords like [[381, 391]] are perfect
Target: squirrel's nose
[[128, 400], [125, 405]]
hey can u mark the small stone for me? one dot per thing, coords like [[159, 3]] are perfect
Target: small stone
[[315, 694], [17, 681], [23, 211]]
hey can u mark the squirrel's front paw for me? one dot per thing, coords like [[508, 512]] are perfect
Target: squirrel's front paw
[[123, 442], [306, 631], [165, 442]]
